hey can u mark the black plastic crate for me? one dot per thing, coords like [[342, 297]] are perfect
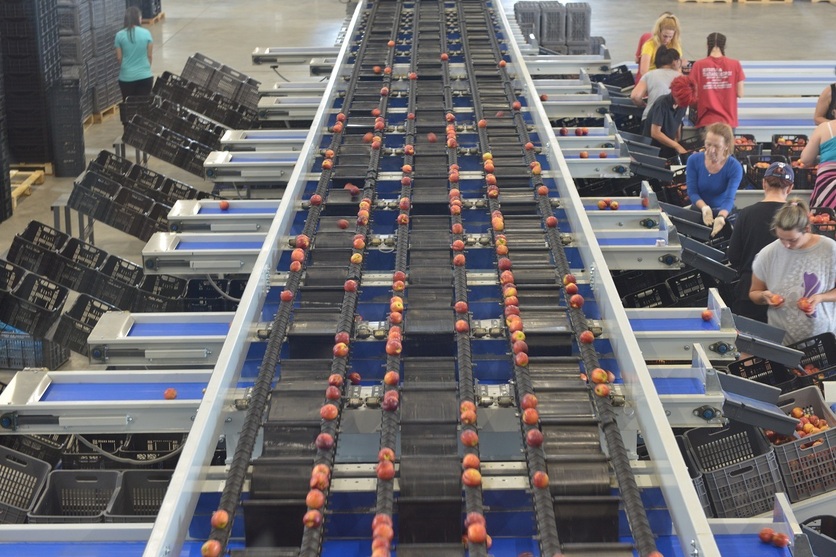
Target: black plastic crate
[[19, 350], [145, 177], [158, 215], [103, 186], [69, 273], [788, 145], [739, 469], [134, 105], [45, 236], [657, 296], [757, 165], [805, 176], [690, 287], [47, 448], [113, 291], [139, 496], [113, 163], [74, 18], [627, 282], [10, 275], [820, 225], [134, 201], [126, 220], [123, 270], [29, 256], [75, 496], [88, 310], [808, 464], [145, 450], [84, 254], [22, 478], [167, 286], [765, 371], [819, 359], [88, 202], [745, 145], [34, 305], [146, 302], [72, 334]]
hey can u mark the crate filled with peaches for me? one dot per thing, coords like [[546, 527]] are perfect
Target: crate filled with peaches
[[807, 459]]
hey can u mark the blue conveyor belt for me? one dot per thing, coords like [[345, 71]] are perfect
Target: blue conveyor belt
[[678, 386], [729, 545], [91, 392], [626, 206], [264, 135], [175, 329], [800, 123], [206, 246], [260, 157], [233, 210], [646, 241], [93, 549], [678, 324]]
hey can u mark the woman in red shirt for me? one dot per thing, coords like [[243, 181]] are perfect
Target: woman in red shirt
[[719, 82]]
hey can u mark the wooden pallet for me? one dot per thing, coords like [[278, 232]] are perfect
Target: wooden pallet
[[708, 1], [765, 1], [22, 182], [99, 117], [156, 19], [45, 167], [88, 122], [817, 1]]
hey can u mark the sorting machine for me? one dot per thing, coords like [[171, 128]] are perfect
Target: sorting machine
[[409, 270]]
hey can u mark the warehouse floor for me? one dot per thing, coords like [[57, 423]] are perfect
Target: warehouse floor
[[228, 31]]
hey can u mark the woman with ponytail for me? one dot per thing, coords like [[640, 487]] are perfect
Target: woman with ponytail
[[795, 276], [719, 82], [134, 46]]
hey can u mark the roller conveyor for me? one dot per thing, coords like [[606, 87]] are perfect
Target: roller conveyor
[[578, 513], [240, 215], [158, 339], [201, 254], [263, 166]]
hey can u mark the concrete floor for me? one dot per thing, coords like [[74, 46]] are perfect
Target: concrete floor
[[229, 30]]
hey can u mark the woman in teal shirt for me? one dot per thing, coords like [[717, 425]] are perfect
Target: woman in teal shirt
[[134, 46]]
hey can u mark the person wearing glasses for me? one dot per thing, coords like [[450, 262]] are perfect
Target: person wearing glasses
[[753, 232], [795, 276]]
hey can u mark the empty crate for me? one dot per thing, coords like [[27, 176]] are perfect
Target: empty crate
[[75, 496], [22, 478], [739, 469]]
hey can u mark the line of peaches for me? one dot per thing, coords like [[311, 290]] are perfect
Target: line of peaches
[[808, 424], [601, 379], [382, 530], [475, 525], [519, 348]]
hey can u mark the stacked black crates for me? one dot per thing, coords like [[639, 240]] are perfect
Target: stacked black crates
[[31, 66], [107, 18], [67, 127], [5, 180], [149, 8], [76, 36]]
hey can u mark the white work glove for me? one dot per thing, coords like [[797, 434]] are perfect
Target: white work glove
[[719, 223], [707, 215]]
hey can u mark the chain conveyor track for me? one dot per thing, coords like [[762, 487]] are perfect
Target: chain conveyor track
[[435, 70]]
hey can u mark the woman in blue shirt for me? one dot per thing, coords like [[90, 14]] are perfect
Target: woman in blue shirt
[[713, 177], [134, 46], [822, 145]]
